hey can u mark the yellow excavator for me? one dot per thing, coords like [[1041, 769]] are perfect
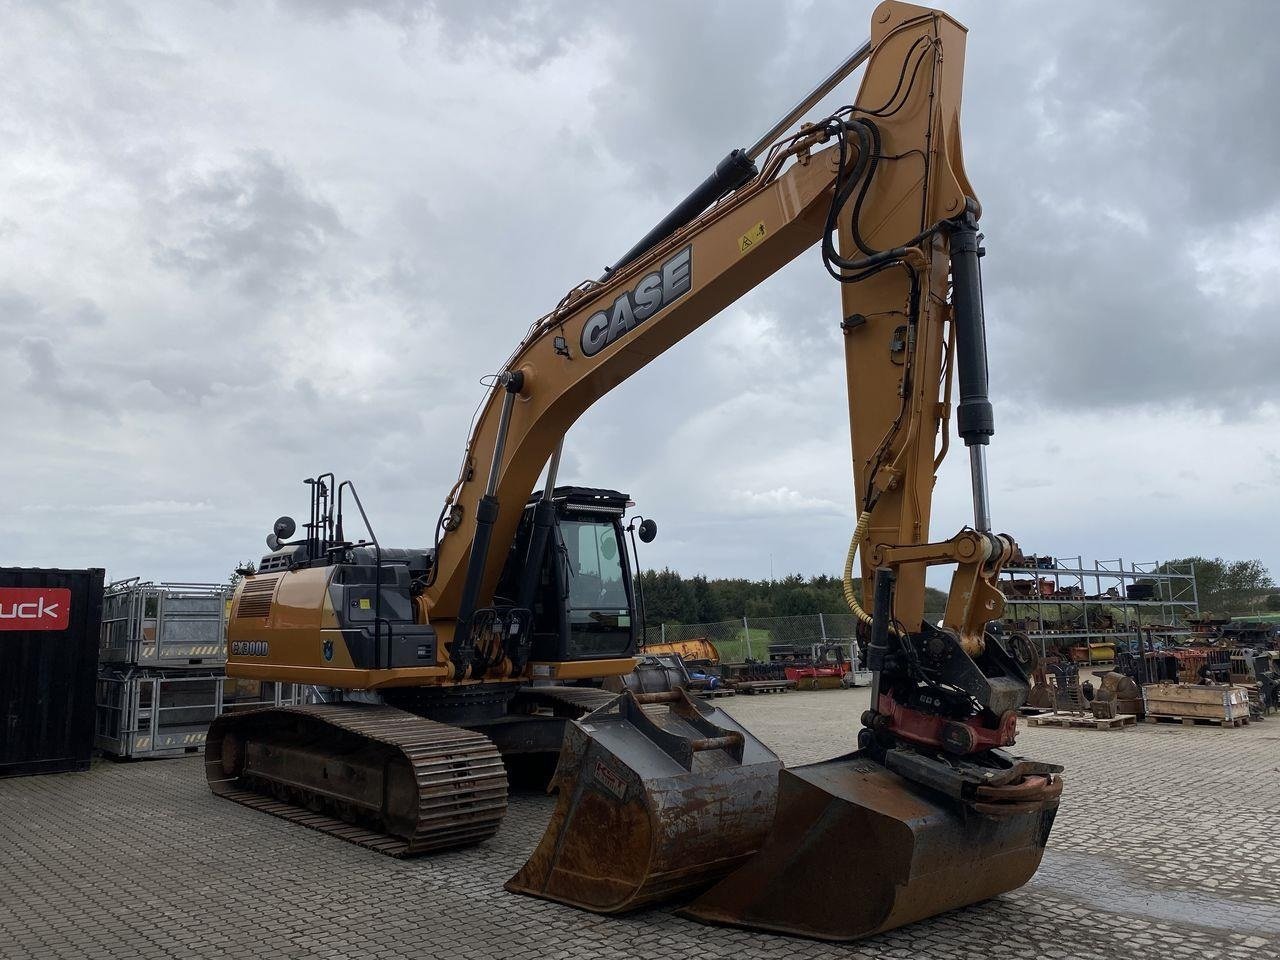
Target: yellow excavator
[[432, 666]]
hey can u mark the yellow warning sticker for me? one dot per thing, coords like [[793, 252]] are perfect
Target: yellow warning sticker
[[364, 603], [751, 237]]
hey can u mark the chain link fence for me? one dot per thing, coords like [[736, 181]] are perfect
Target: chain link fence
[[750, 637]]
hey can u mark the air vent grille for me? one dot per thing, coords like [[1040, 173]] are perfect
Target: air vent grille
[[255, 598]]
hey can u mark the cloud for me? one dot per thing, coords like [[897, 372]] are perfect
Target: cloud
[[268, 240], [48, 379], [783, 500], [253, 224]]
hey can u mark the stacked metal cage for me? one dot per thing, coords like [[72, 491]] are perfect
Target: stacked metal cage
[[161, 680]]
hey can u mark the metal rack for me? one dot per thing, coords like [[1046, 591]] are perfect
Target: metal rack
[[167, 715], [1059, 602], [166, 625]]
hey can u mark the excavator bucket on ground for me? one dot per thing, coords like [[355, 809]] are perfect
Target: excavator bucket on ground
[[659, 795], [855, 850]]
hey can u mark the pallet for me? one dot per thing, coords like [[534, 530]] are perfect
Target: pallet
[[712, 694], [1082, 721], [764, 686], [1192, 721], [1034, 711]]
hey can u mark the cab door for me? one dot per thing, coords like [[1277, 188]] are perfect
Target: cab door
[[596, 585]]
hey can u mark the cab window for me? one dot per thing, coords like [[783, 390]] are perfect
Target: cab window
[[599, 608]]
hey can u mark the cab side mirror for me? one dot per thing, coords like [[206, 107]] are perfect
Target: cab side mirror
[[648, 531]]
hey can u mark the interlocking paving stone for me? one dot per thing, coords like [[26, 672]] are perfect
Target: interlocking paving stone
[[1165, 846]]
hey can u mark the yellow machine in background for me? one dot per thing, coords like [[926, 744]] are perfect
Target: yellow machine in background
[[436, 662]]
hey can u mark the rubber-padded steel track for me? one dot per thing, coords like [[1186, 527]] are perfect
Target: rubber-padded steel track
[[350, 770]]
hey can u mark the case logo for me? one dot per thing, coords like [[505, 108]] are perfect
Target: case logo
[[655, 291], [35, 608]]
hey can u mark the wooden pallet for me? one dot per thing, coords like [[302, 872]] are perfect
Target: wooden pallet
[[1082, 721], [717, 692], [1192, 721], [764, 686]]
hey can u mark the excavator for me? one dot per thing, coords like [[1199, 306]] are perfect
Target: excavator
[[433, 666]]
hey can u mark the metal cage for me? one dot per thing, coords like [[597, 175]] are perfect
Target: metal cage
[[167, 715], [170, 625]]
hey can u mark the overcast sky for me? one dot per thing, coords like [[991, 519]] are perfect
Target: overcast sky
[[242, 243]]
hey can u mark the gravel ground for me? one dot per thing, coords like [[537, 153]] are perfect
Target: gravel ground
[[1165, 846]]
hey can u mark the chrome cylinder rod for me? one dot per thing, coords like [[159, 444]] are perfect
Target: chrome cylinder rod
[[553, 468], [981, 501], [855, 60], [500, 443]]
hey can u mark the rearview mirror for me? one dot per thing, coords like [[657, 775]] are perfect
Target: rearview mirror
[[648, 531], [284, 528]]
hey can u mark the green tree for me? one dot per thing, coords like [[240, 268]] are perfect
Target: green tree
[[1229, 588], [670, 598], [242, 570]]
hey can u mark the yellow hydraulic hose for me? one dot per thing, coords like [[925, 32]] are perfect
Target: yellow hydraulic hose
[[850, 597]]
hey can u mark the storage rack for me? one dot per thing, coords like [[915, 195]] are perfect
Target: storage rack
[[1064, 590], [155, 714], [162, 656]]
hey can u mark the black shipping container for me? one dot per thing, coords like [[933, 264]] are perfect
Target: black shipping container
[[49, 624]]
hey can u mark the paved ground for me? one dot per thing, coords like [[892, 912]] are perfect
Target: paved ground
[[1166, 846]]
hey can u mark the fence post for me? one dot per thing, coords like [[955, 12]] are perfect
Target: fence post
[[822, 626], [747, 631], [664, 633]]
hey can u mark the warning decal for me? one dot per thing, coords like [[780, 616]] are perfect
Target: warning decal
[[751, 237]]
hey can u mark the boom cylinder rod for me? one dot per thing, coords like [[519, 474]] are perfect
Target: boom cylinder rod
[[553, 468], [463, 648], [544, 518]]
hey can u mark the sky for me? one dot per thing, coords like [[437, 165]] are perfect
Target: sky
[[242, 243]]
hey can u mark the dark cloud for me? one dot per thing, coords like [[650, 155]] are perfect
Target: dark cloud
[[253, 224], [48, 379]]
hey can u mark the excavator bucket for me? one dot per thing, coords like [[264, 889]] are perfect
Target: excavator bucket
[[658, 795], [855, 850]]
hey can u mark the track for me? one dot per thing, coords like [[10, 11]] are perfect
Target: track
[[374, 775]]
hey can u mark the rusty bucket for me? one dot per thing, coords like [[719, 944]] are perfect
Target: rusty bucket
[[658, 795], [856, 849]]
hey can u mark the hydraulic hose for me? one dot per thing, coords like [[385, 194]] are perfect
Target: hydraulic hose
[[850, 596]]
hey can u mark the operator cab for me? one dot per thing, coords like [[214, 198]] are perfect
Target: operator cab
[[583, 605]]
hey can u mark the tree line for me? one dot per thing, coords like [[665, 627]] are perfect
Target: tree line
[[1230, 588], [670, 597], [1227, 588]]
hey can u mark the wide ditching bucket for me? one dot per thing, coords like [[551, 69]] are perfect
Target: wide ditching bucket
[[855, 850], [659, 795]]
